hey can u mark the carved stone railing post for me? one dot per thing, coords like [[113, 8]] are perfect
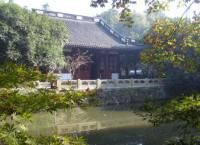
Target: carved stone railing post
[[59, 85], [98, 83], [78, 84]]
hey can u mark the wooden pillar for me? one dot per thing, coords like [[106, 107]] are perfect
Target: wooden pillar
[[118, 64], [106, 66]]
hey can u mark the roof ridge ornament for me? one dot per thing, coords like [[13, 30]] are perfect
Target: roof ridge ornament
[[64, 15]]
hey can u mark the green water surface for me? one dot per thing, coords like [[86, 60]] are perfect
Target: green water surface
[[122, 126]]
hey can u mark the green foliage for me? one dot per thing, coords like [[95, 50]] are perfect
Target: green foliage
[[175, 44], [30, 38], [13, 75], [183, 111], [59, 140], [179, 83], [18, 105], [42, 100], [111, 17]]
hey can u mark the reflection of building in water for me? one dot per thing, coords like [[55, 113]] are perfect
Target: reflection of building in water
[[73, 115], [96, 118]]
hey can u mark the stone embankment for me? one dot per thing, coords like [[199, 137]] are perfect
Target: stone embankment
[[130, 95]]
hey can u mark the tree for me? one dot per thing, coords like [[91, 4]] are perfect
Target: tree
[[111, 17], [30, 38], [141, 26], [175, 53], [175, 44], [75, 60], [11, 1], [17, 107]]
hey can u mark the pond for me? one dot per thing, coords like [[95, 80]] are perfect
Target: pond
[[130, 135], [133, 130], [119, 125]]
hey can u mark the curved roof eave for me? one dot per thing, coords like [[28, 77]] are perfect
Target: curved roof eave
[[103, 47]]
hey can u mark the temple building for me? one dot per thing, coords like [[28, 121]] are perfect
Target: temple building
[[113, 55]]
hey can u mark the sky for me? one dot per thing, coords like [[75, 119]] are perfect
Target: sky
[[82, 7]]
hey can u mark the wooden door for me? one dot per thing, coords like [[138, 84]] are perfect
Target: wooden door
[[83, 73]]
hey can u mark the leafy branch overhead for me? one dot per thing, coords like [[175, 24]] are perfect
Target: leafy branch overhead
[[172, 46], [152, 6]]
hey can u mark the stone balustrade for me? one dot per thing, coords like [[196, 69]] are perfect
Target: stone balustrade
[[107, 84], [43, 85], [95, 125]]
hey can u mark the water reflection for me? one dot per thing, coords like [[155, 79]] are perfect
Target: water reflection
[[130, 136], [119, 125]]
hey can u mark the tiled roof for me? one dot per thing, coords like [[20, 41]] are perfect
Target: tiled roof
[[90, 33]]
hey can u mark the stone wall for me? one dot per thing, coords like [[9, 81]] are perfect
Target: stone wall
[[130, 95]]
